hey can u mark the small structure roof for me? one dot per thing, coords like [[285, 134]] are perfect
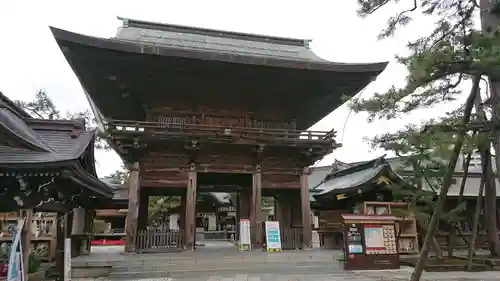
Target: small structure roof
[[354, 177], [471, 189], [35, 144]]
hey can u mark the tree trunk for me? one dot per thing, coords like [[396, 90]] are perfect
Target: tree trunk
[[454, 226], [490, 185], [477, 213], [417, 273], [420, 176], [489, 26]]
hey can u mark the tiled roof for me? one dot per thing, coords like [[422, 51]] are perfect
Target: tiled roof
[[152, 38], [471, 185], [202, 39], [61, 140]]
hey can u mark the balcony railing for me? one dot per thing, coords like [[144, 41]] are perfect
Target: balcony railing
[[227, 133]]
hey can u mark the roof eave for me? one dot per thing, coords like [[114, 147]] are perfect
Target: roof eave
[[132, 47], [84, 179]]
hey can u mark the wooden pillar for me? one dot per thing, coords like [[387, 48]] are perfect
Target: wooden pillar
[[305, 208], [182, 215], [88, 231], [59, 246], [26, 235], [77, 231], [190, 219], [68, 227], [256, 214], [133, 208], [244, 203], [142, 219]]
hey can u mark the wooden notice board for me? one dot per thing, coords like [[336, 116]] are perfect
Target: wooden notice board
[[370, 242]]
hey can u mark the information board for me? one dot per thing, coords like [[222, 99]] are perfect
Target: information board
[[354, 239], [245, 244], [273, 237], [370, 242]]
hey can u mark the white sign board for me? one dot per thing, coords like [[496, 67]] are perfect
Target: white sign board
[[315, 240], [212, 223], [245, 242], [273, 236], [173, 222], [67, 259]]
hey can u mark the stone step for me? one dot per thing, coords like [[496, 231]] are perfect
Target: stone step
[[212, 261], [197, 259], [215, 265], [227, 271]]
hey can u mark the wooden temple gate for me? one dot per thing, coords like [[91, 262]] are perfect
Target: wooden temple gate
[[230, 116]]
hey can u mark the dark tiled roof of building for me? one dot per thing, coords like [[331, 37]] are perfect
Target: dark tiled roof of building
[[61, 140], [36, 143], [352, 177], [144, 37], [472, 183]]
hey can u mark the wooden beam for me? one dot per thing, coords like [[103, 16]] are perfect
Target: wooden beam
[[133, 208], [53, 207]]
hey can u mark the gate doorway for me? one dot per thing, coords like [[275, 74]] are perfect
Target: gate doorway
[[217, 213]]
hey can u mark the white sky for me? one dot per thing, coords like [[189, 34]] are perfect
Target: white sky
[[31, 60]]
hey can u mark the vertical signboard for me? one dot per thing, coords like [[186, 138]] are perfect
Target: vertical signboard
[[67, 259], [15, 270], [273, 237], [245, 244]]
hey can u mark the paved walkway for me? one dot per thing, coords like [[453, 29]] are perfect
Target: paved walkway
[[112, 254], [387, 275]]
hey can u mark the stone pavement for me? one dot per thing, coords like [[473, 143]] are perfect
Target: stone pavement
[[383, 275]]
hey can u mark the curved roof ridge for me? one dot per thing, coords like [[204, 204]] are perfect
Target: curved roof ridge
[[18, 128], [4, 100], [213, 32], [354, 167]]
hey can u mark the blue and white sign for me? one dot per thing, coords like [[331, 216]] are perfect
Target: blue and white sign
[[273, 236]]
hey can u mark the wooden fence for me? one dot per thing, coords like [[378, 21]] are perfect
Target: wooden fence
[[159, 240], [291, 238]]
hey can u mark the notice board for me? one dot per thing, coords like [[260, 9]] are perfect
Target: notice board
[[370, 242], [273, 236]]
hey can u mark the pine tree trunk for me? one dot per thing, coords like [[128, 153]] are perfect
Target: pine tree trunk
[[453, 230], [489, 26], [413, 204], [477, 213], [490, 185], [417, 273]]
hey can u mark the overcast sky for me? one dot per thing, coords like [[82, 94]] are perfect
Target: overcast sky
[[31, 60]]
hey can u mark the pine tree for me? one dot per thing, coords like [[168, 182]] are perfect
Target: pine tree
[[452, 54]]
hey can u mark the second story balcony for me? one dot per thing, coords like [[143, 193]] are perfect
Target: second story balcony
[[220, 134]]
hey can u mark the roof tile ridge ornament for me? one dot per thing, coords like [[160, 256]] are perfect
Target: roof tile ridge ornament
[[13, 107], [128, 22], [78, 127]]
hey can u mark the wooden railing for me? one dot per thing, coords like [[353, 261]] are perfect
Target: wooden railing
[[220, 132], [159, 240]]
